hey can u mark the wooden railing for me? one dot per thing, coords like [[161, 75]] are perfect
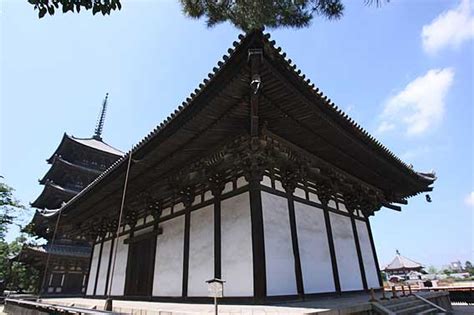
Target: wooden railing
[[459, 294]]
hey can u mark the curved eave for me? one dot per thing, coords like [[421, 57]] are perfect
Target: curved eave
[[51, 192], [61, 166], [339, 118], [81, 142]]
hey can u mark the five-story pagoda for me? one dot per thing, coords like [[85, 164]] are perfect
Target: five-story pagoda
[[75, 164]]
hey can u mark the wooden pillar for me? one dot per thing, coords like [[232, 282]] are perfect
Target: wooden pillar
[[217, 184], [258, 242], [156, 228], [324, 196], [294, 240], [112, 242], [374, 252], [217, 238], [359, 252], [187, 195], [289, 178], [89, 267], [98, 264], [187, 225]]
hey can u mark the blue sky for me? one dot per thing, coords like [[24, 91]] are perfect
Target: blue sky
[[403, 71]]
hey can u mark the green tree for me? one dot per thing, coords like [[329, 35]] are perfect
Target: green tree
[[10, 208], [432, 270], [469, 268], [17, 276], [13, 274], [244, 14]]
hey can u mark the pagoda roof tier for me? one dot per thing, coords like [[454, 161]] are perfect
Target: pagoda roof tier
[[402, 263], [60, 167], [53, 196], [290, 108], [94, 144]]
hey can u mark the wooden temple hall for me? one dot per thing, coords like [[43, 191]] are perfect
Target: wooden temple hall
[[257, 179]]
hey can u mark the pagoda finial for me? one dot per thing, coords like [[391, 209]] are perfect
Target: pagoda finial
[[100, 121]]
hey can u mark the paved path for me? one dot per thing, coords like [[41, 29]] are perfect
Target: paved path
[[156, 308]]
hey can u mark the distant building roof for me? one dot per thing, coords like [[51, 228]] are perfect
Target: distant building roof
[[93, 143], [401, 262]]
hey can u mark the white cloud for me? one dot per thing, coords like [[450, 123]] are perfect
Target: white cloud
[[420, 105], [470, 199], [449, 29], [385, 126]]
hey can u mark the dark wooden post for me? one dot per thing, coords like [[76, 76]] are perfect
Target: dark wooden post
[[258, 242], [112, 227], [187, 197], [217, 184], [359, 252], [131, 220], [289, 182], [102, 233], [374, 252], [324, 194]]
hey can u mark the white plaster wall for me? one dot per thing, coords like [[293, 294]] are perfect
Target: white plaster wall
[[367, 255], [236, 246], [93, 270], [118, 282], [279, 259], [201, 251], [342, 207], [346, 253], [104, 264], [168, 274], [300, 193], [314, 197], [278, 185], [266, 181], [241, 182], [313, 244]]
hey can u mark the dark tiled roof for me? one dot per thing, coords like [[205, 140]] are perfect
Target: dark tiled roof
[[59, 250], [334, 113]]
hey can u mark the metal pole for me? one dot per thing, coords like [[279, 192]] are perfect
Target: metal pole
[[49, 253], [108, 301]]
